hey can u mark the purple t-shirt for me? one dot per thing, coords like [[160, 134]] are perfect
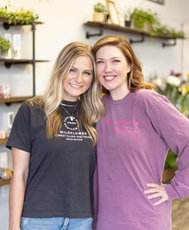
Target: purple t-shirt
[[134, 136]]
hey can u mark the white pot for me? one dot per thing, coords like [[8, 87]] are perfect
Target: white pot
[[98, 17]]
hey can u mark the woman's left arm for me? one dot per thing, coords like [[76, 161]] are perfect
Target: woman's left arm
[[173, 127]]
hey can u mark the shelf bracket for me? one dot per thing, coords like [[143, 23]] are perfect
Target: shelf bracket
[[137, 41], [6, 25], [7, 65], [170, 44], [8, 103], [88, 35]]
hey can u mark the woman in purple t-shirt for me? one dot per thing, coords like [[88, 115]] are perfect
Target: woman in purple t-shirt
[[134, 136]]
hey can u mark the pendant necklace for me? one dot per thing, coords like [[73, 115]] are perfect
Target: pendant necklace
[[70, 115]]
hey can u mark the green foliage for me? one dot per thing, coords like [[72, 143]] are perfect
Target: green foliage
[[178, 95], [127, 14], [99, 7], [4, 44], [172, 93], [22, 15], [165, 30], [171, 160], [146, 19]]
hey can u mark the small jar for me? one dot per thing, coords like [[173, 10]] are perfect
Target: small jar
[[5, 174]]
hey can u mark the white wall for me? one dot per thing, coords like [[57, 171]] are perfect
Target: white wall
[[64, 24]]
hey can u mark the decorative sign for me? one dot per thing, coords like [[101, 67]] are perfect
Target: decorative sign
[[113, 13]]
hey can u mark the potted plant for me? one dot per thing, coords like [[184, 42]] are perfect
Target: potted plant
[[98, 15], [18, 15], [127, 15], [145, 19], [4, 46]]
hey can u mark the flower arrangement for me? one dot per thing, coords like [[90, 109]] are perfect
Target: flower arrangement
[[175, 89], [184, 91]]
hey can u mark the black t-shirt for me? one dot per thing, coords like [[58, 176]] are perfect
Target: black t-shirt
[[60, 180]]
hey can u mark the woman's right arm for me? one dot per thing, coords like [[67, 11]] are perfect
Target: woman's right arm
[[17, 187]]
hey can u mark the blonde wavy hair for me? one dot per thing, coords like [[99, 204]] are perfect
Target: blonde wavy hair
[[91, 110], [135, 78]]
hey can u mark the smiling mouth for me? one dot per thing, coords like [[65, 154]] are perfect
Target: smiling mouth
[[109, 78], [75, 86]]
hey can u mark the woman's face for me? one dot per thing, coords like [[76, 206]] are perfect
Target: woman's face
[[112, 69], [79, 78]]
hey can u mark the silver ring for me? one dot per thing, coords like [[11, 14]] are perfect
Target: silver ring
[[160, 194]]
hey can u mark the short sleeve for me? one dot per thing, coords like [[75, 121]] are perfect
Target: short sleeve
[[20, 136]]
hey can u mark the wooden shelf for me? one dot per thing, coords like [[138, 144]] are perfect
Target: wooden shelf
[[124, 29], [6, 20], [14, 99], [3, 141], [24, 61], [4, 182], [8, 62]]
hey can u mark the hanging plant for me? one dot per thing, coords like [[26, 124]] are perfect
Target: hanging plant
[[4, 44], [18, 15]]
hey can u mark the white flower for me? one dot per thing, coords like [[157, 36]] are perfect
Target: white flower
[[172, 80], [157, 81]]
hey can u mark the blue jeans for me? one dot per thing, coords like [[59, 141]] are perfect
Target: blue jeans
[[58, 223]]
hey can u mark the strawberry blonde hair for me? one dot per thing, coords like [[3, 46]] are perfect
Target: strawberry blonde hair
[[135, 78]]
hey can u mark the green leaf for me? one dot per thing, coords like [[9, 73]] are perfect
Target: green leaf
[[23, 15]]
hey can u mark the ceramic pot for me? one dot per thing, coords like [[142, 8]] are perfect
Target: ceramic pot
[[98, 17]]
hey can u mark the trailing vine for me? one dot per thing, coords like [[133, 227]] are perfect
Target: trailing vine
[[147, 19]]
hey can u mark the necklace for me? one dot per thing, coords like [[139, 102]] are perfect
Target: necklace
[[68, 105], [71, 116]]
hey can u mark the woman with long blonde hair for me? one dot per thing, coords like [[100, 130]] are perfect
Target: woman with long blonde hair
[[53, 142], [134, 136]]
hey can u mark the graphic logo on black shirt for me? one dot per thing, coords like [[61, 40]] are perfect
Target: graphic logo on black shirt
[[71, 124], [70, 130]]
